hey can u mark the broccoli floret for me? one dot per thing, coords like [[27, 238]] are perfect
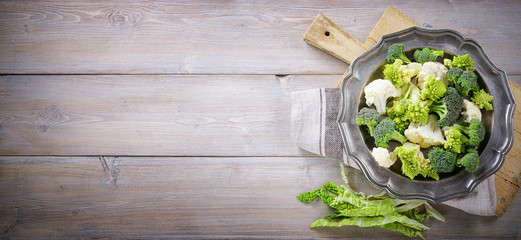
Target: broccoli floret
[[396, 52], [475, 132], [442, 160], [483, 99], [368, 117], [453, 74], [427, 55], [469, 161], [455, 140], [466, 82], [433, 89], [463, 61], [385, 131], [449, 108], [413, 161], [397, 114]]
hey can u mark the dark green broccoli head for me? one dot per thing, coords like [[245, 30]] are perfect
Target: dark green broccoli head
[[475, 132], [442, 160], [427, 55], [469, 161], [395, 51], [385, 131], [368, 117], [466, 82], [449, 108], [453, 74]]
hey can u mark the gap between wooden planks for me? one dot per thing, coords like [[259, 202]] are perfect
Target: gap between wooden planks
[[327, 36]]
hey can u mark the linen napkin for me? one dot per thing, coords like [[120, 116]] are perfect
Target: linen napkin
[[314, 114]]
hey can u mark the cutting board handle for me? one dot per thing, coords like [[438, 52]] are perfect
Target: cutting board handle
[[325, 35]]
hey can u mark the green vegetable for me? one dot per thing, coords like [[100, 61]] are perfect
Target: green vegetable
[[463, 61], [433, 89], [449, 108], [395, 51], [413, 161], [385, 131], [427, 55], [455, 140], [483, 99], [353, 208], [466, 82], [453, 74], [470, 160], [368, 117], [395, 73], [442, 160], [416, 109], [397, 114], [475, 132]]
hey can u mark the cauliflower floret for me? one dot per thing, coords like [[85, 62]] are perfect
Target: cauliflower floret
[[426, 135], [414, 68], [377, 92], [470, 111], [383, 157], [434, 69]]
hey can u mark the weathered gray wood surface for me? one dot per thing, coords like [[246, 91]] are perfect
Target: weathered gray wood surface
[[192, 197], [228, 167], [230, 115], [193, 37]]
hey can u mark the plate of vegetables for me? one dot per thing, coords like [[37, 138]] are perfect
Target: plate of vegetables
[[426, 114]]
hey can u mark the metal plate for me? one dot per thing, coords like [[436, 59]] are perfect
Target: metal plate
[[498, 123]]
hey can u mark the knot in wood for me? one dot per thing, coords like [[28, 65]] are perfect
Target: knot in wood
[[50, 117], [122, 18]]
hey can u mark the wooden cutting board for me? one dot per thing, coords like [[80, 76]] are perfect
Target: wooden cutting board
[[327, 36]]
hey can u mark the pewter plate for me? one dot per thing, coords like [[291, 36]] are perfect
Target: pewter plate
[[498, 123]]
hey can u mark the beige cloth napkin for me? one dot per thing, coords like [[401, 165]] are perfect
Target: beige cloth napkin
[[313, 128]]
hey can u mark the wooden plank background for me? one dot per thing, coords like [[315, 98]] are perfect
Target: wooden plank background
[[170, 120]]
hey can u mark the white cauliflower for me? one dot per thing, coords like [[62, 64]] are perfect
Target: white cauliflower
[[383, 157], [426, 135], [377, 92], [470, 111], [434, 69], [414, 68]]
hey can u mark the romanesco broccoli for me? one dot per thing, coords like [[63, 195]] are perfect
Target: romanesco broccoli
[[413, 161]]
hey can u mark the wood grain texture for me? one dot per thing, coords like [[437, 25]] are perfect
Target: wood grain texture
[[70, 197], [508, 178], [337, 42], [197, 37], [327, 36], [150, 114]]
